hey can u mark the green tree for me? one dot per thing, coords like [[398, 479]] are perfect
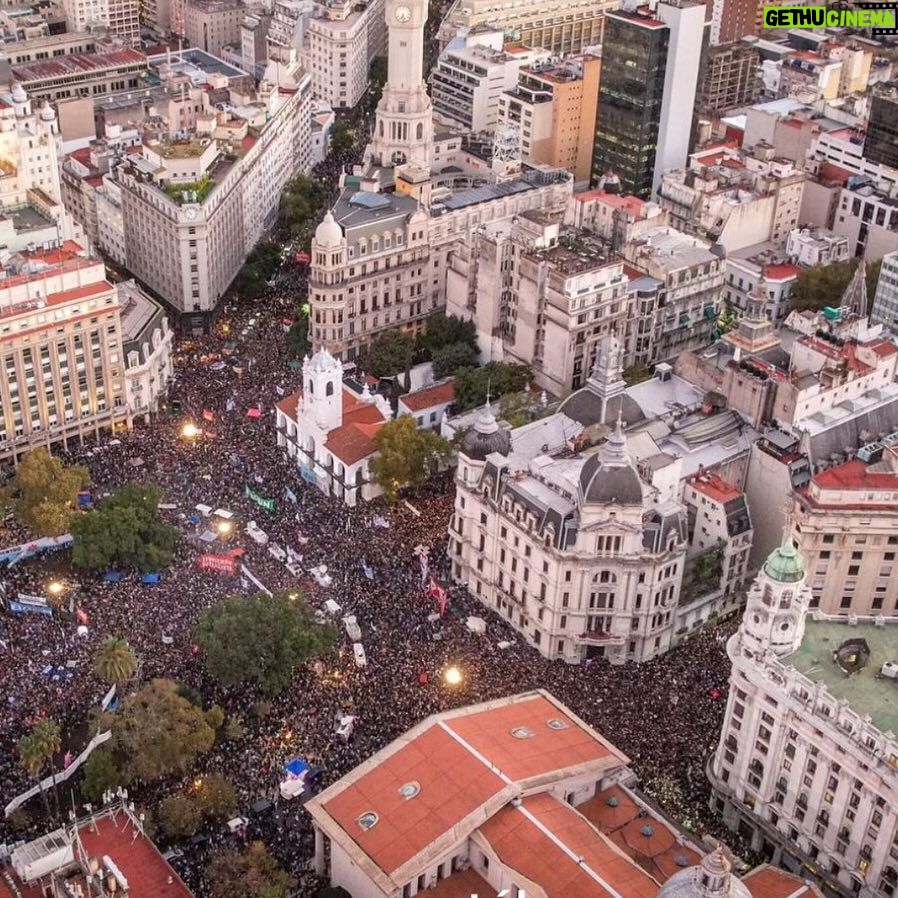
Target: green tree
[[636, 374], [159, 732], [302, 203], [298, 337], [43, 492], [216, 797], [442, 330], [37, 749], [262, 264], [250, 873], [180, 816], [101, 773], [823, 285], [124, 529], [340, 139], [260, 640], [448, 359], [115, 662], [391, 353], [406, 455], [495, 378]]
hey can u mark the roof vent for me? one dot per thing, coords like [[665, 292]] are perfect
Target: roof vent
[[556, 724], [613, 802], [647, 831], [681, 860], [368, 820], [409, 790], [522, 733]]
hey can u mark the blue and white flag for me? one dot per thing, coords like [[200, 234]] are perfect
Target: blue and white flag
[[289, 494], [369, 571]]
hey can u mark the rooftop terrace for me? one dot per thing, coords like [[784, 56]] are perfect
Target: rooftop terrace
[[864, 690]]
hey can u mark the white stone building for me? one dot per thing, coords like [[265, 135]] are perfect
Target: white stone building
[[343, 39], [577, 553], [327, 429], [807, 764], [121, 17], [816, 246], [885, 301], [763, 265]]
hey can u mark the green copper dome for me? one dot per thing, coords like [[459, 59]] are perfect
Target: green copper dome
[[785, 564]]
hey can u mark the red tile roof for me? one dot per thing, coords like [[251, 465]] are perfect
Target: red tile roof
[[855, 475], [148, 874], [550, 843], [468, 765], [632, 204], [76, 64], [463, 884], [771, 882], [781, 272], [714, 486], [439, 394], [829, 171]]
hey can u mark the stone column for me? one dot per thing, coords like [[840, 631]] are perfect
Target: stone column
[[319, 851]]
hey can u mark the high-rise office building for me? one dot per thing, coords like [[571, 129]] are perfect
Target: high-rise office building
[[881, 145], [885, 302], [650, 69]]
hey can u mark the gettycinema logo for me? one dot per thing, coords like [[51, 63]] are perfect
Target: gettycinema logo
[[881, 17]]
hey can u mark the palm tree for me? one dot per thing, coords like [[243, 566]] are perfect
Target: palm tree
[[115, 662], [36, 751]]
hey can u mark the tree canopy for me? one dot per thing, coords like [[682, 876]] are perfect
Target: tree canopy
[[448, 359], [340, 139], [442, 330], [262, 264], [115, 662], [101, 773], [497, 378], [124, 529], [250, 873], [211, 797], [391, 353], [159, 732], [43, 492], [406, 455], [260, 639], [301, 204], [823, 285]]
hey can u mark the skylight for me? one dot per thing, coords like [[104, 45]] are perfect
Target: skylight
[[557, 724], [368, 820], [409, 790], [522, 732]]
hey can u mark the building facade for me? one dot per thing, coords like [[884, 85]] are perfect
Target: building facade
[[62, 351], [569, 551], [343, 40], [881, 143], [885, 302], [729, 78], [806, 763], [121, 17], [650, 69], [82, 75]]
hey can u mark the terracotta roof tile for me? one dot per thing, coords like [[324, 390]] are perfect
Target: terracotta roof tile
[[771, 882], [438, 394]]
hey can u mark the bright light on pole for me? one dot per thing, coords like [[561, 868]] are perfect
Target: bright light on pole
[[55, 588], [189, 431], [224, 527], [452, 676]]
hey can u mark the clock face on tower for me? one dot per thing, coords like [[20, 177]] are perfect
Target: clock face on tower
[[403, 13]]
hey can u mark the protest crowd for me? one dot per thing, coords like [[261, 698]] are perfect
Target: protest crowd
[[665, 715]]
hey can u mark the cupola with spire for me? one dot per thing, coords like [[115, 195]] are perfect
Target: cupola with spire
[[608, 476], [328, 234], [486, 436], [712, 878]]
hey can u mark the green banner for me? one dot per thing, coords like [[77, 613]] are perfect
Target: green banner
[[267, 504]]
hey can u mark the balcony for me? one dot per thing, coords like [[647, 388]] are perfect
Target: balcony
[[600, 637]]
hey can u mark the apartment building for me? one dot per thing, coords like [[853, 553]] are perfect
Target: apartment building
[[868, 218], [729, 78], [344, 37], [553, 106], [121, 17], [807, 759], [193, 207], [45, 46], [62, 351], [733, 197], [563, 29], [470, 76], [210, 25], [807, 247], [881, 143], [764, 265], [885, 302]]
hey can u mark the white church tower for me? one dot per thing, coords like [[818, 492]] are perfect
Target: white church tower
[[322, 394]]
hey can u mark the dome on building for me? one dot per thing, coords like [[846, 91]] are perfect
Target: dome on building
[[710, 879], [328, 233], [47, 113], [485, 437], [785, 564], [322, 361], [608, 476], [18, 93]]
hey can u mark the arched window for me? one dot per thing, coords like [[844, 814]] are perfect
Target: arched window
[[381, 128], [311, 386], [329, 389], [420, 132]]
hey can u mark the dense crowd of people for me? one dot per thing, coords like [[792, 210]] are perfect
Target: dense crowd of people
[[665, 715]]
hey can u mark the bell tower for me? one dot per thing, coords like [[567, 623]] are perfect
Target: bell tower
[[403, 126], [322, 394], [777, 603]]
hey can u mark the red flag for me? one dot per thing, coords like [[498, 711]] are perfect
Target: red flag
[[82, 615], [208, 415]]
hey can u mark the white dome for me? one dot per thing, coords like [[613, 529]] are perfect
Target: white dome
[[710, 879], [328, 233], [18, 93], [323, 362], [47, 113]]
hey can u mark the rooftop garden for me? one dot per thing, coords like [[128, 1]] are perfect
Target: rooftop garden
[[190, 192]]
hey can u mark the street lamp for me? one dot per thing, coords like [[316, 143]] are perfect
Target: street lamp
[[56, 588], [189, 431], [224, 527], [452, 676]]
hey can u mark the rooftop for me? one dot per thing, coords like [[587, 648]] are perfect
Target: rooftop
[[632, 204], [76, 64], [865, 692], [714, 486], [435, 394]]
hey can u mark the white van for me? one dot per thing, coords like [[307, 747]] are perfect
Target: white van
[[353, 630], [204, 510], [223, 513], [277, 552], [358, 651], [331, 607]]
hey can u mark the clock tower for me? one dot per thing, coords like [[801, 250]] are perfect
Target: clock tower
[[403, 127]]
